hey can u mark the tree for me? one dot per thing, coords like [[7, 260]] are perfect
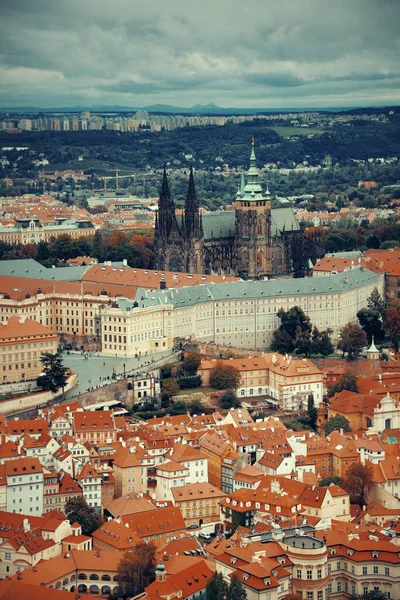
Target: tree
[[376, 302], [336, 424], [392, 325], [295, 326], [348, 381], [358, 482], [77, 509], [370, 320], [328, 480], [230, 400], [136, 569], [217, 588], [170, 387], [281, 342], [352, 339], [54, 375], [311, 411], [236, 590], [322, 342], [371, 595], [191, 363], [224, 377]]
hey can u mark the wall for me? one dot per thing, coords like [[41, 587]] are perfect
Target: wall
[[30, 401]]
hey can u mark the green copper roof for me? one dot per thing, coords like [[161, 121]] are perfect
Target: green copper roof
[[274, 288], [221, 224]]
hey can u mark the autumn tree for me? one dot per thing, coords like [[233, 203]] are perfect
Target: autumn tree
[[136, 569], [77, 509], [191, 363], [170, 387], [392, 325], [348, 381], [224, 377], [358, 482], [336, 424], [352, 339]]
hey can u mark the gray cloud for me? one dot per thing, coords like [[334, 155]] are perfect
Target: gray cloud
[[264, 53]]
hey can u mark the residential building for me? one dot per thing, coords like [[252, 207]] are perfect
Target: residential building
[[199, 503], [24, 486], [22, 343]]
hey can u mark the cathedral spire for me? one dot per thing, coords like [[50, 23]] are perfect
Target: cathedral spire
[[166, 208], [193, 221]]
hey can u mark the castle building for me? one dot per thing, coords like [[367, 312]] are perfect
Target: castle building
[[252, 240]]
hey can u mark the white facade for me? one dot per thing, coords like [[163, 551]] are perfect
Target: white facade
[[25, 491], [246, 318], [386, 415]]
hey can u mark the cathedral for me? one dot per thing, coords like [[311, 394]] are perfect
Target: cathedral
[[250, 239]]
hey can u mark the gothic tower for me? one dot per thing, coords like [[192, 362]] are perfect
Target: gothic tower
[[253, 244], [168, 242], [193, 230]]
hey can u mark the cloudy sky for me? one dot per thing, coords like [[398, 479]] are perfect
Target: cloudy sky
[[252, 53]]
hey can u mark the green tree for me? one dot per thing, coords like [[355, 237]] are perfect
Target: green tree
[[230, 400], [282, 342], [54, 373], [170, 387], [136, 569], [336, 424], [191, 363], [371, 321], [236, 590], [311, 411], [348, 381], [352, 339], [328, 480], [295, 324], [371, 595], [77, 509], [358, 482], [224, 377], [217, 588], [42, 251], [322, 342], [376, 302]]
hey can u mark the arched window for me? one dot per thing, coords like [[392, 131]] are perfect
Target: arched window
[[82, 588], [73, 577], [65, 582], [82, 576], [105, 577], [115, 578], [388, 423], [368, 422], [94, 590], [94, 577], [58, 585], [106, 590]]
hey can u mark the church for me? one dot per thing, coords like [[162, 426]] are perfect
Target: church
[[250, 239]]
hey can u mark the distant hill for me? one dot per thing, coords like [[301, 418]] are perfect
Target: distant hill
[[198, 109]]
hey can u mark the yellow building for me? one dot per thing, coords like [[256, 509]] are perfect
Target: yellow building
[[199, 503], [22, 342]]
